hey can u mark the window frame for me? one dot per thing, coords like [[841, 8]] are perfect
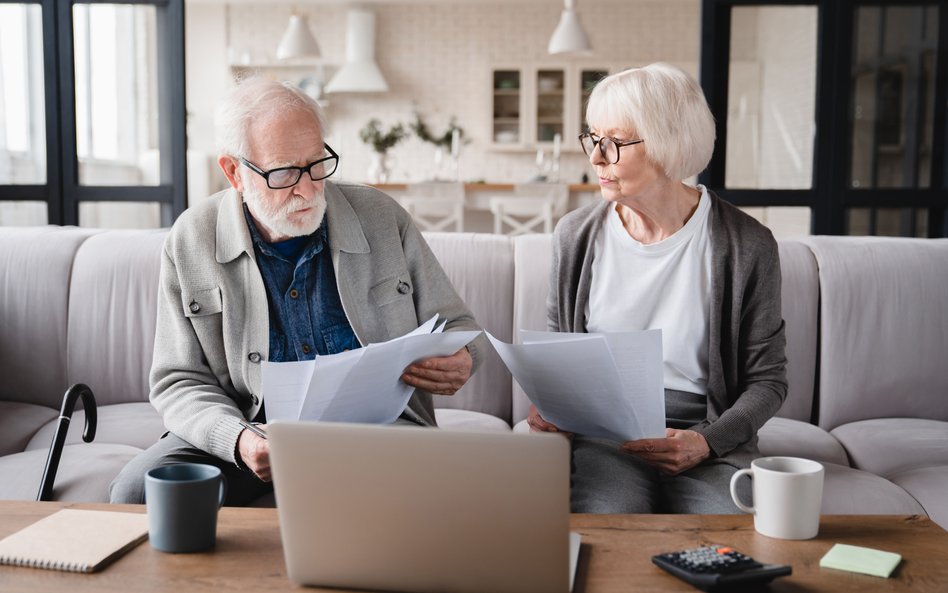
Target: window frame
[[829, 196], [62, 191]]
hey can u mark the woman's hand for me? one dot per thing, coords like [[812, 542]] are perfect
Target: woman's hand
[[442, 375], [255, 453], [680, 450], [537, 424]]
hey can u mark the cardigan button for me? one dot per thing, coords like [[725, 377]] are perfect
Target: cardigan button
[[403, 287], [254, 399], [255, 357], [194, 307]]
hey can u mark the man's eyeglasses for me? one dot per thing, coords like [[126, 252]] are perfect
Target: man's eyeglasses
[[285, 177], [608, 147]]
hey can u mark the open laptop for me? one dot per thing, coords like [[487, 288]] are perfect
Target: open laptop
[[423, 510]]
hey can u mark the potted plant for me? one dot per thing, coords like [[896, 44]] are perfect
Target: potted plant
[[381, 142], [450, 140]]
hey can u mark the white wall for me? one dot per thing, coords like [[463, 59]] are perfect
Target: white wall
[[436, 57]]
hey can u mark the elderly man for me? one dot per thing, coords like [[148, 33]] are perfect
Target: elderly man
[[284, 266]]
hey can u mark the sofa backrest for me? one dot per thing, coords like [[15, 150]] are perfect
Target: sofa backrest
[[113, 304], [800, 300], [883, 328], [799, 295], [481, 267], [35, 266]]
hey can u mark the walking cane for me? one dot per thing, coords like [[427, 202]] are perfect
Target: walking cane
[[59, 439]]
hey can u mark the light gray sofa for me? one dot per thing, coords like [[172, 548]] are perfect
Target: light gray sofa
[[867, 335]]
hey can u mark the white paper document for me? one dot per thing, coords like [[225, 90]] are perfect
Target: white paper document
[[607, 385], [362, 385]]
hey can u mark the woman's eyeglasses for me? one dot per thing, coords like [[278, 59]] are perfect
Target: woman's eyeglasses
[[608, 147]]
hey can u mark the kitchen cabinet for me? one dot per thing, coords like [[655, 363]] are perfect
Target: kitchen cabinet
[[531, 104]]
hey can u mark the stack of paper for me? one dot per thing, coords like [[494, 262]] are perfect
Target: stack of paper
[[361, 385], [600, 385]]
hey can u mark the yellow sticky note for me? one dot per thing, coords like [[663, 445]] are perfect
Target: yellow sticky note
[[864, 560]]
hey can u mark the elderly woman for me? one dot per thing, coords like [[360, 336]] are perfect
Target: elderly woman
[[658, 253]]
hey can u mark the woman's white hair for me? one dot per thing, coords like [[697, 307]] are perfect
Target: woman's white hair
[[662, 105], [254, 98]]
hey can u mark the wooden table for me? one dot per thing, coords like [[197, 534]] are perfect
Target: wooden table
[[615, 555]]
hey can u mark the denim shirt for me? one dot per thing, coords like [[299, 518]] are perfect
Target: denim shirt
[[306, 314]]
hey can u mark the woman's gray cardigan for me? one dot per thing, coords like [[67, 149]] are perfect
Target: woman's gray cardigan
[[747, 380]]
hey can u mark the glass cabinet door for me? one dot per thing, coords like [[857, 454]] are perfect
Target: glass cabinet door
[[506, 107], [550, 104], [588, 79]]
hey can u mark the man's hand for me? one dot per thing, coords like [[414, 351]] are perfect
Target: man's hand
[[537, 424], [255, 453], [680, 450], [442, 375]]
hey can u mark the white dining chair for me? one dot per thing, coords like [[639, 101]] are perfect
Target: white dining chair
[[532, 208], [435, 205]]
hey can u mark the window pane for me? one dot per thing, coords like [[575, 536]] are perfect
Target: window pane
[[120, 215], [771, 97], [116, 94], [23, 213], [887, 222], [22, 102], [783, 221], [893, 96]]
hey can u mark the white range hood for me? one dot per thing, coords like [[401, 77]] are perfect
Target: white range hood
[[360, 73]]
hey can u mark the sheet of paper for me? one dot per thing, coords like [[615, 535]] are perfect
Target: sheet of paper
[[362, 385], [603, 385], [372, 391], [284, 387]]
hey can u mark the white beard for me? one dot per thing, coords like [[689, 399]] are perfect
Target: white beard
[[277, 217]]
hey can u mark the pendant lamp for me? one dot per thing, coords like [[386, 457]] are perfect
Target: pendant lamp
[[569, 38], [297, 40]]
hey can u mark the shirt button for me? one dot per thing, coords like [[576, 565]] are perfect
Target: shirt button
[[306, 348], [294, 293], [403, 287], [194, 307], [255, 399], [255, 357]]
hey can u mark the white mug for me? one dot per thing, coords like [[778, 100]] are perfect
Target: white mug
[[788, 494]]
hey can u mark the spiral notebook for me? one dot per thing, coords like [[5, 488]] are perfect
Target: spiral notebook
[[74, 540]]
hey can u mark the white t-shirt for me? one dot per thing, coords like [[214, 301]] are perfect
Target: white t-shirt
[[665, 285]]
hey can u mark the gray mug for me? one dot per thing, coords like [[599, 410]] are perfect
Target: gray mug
[[182, 501]]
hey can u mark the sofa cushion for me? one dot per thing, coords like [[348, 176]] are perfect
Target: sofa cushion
[[928, 485], [800, 299], [850, 491], [36, 264], [883, 330], [888, 446], [467, 420], [481, 268], [113, 304], [533, 258], [85, 472], [136, 424], [19, 422], [793, 438]]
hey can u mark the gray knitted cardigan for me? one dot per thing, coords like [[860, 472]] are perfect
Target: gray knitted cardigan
[[747, 380]]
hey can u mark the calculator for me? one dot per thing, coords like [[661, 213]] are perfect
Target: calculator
[[718, 568]]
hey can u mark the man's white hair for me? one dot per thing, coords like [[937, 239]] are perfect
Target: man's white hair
[[662, 105], [253, 98]]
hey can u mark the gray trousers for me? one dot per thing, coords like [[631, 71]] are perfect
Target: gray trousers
[[243, 487], [604, 480]]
